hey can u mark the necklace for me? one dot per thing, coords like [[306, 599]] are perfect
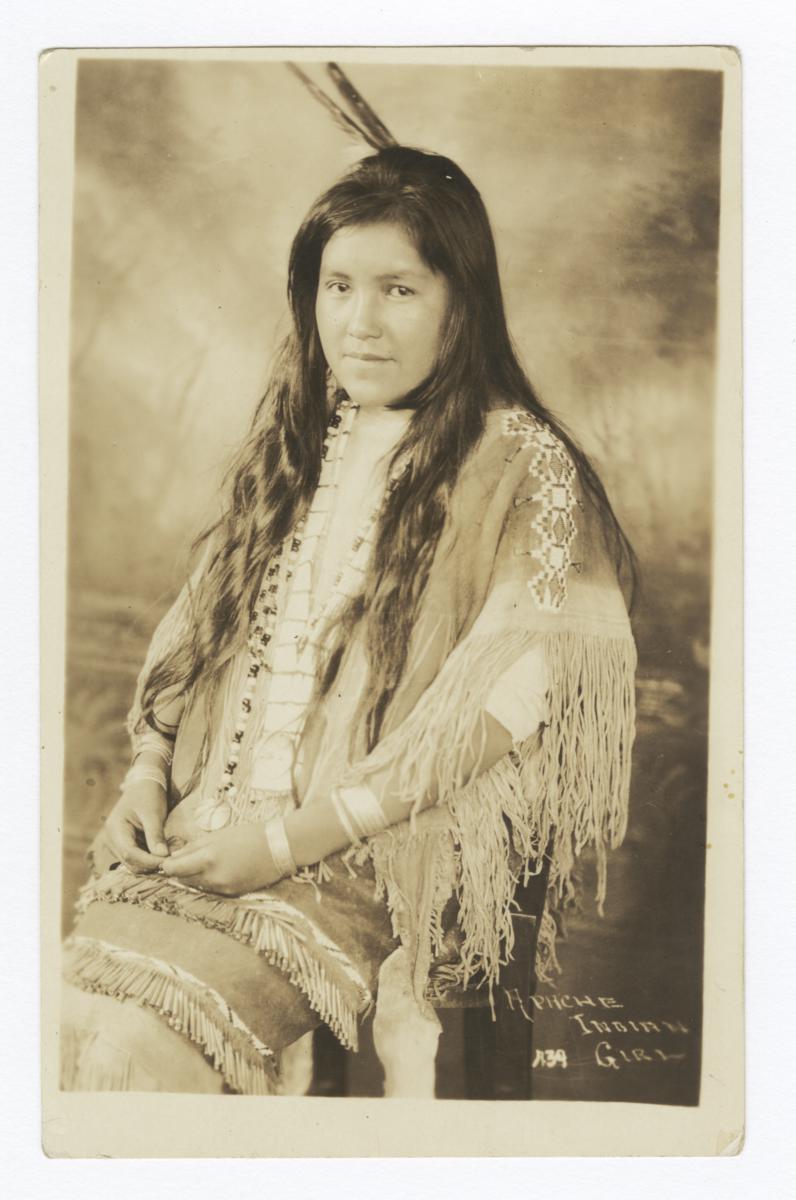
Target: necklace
[[216, 811], [292, 661]]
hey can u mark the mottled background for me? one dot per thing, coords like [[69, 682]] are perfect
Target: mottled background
[[602, 185]]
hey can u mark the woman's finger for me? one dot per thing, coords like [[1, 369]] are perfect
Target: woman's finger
[[189, 847], [153, 834], [122, 839], [140, 860], [184, 864], [101, 854]]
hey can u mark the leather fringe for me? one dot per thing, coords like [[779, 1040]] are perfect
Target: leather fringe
[[574, 786], [276, 930], [188, 1005]]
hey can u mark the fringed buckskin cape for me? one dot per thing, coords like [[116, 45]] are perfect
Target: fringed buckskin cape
[[521, 561]]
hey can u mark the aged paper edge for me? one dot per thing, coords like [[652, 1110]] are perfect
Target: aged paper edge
[[127, 1125]]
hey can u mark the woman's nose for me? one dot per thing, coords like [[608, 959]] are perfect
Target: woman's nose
[[363, 319]]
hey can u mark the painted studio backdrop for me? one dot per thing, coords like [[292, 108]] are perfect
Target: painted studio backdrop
[[602, 186]]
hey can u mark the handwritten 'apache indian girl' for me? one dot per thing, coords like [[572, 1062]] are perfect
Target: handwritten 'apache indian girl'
[[401, 671]]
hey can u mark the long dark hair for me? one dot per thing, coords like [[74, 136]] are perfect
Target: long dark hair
[[275, 472]]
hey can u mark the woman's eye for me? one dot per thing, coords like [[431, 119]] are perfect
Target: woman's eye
[[337, 286], [402, 291]]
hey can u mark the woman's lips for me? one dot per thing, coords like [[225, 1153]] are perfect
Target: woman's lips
[[368, 357]]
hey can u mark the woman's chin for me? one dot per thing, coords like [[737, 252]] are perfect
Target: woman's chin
[[370, 393]]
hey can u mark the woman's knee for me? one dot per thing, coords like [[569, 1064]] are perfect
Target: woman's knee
[[118, 1045]]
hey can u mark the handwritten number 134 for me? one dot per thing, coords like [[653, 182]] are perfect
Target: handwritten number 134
[[550, 1058]]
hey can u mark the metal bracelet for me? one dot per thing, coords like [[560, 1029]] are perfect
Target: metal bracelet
[[280, 847], [145, 771], [362, 810]]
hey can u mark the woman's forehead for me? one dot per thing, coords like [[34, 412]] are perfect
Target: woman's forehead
[[381, 248]]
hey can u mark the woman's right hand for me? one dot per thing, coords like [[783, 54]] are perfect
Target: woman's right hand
[[134, 827]]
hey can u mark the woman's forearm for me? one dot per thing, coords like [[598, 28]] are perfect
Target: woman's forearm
[[315, 833], [318, 831]]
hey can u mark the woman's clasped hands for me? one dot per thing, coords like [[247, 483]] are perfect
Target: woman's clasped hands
[[229, 861], [133, 831]]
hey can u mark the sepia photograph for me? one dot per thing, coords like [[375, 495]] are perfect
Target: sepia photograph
[[394, 393]]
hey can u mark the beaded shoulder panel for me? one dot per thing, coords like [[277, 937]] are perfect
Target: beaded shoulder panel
[[552, 527]]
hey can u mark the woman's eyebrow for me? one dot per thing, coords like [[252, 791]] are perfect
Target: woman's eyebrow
[[408, 273]]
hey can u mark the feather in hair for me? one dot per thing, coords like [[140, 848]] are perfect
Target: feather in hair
[[372, 130]]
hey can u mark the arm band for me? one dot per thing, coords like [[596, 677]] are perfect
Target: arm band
[[280, 847], [359, 811], [157, 743], [141, 771]]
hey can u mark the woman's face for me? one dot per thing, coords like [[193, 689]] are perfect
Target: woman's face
[[380, 312]]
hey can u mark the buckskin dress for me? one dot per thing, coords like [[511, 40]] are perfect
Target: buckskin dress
[[521, 575]]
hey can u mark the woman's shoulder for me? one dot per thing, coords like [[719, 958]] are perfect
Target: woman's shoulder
[[519, 463], [517, 424], [528, 443]]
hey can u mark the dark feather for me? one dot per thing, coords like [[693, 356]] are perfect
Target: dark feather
[[378, 130], [341, 119]]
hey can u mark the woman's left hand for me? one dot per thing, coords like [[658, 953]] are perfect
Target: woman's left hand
[[229, 861]]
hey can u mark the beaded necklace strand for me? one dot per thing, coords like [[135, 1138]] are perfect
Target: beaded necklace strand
[[216, 811]]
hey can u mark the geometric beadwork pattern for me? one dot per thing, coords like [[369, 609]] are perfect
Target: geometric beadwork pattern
[[553, 525]]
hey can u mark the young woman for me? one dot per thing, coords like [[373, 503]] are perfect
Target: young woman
[[402, 669]]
